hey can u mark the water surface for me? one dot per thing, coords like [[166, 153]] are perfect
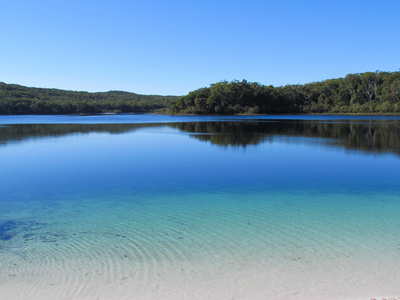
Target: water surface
[[203, 207]]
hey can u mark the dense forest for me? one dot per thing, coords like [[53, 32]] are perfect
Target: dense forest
[[370, 92], [17, 99]]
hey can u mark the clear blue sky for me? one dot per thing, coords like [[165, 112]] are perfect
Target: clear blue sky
[[176, 46]]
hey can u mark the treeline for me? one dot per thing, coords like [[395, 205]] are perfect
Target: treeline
[[17, 99], [370, 92]]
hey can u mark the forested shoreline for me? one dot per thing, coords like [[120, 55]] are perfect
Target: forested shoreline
[[16, 99], [364, 93], [370, 92]]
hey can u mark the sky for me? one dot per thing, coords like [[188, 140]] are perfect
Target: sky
[[177, 46]]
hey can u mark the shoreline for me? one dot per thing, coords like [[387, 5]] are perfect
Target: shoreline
[[206, 115]]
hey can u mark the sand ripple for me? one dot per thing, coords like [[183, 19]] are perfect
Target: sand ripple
[[203, 246]]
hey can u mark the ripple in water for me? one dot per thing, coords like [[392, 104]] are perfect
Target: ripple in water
[[204, 245]]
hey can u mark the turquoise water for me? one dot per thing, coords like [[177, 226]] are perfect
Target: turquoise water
[[165, 207]]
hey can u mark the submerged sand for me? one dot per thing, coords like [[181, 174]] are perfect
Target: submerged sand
[[186, 284], [269, 249], [122, 272]]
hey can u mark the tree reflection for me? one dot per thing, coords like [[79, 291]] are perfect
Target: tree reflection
[[375, 136]]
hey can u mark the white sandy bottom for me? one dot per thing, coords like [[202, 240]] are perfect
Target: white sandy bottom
[[221, 280], [250, 249]]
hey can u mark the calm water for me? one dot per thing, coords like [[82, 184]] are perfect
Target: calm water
[[283, 206]]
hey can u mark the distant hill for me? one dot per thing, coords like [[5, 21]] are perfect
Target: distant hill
[[17, 99]]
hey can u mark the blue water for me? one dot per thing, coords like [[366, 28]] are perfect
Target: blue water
[[133, 196]]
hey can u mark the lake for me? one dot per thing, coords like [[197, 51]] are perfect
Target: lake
[[179, 207]]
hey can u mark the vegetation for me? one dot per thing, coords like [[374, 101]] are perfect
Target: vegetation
[[17, 99], [371, 92]]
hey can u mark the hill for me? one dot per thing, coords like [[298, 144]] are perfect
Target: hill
[[17, 99]]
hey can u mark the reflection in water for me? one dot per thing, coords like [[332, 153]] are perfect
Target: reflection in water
[[13, 133], [375, 136]]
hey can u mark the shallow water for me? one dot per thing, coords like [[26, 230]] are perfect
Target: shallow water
[[203, 207]]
